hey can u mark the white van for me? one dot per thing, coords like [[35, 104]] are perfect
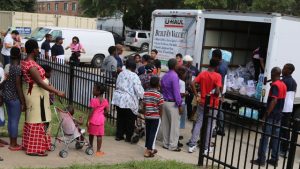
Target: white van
[[95, 42]]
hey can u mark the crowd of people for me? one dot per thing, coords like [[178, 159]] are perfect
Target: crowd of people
[[26, 88], [169, 100], [166, 101]]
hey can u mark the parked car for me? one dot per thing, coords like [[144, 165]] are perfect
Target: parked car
[[95, 42], [138, 39], [118, 39]]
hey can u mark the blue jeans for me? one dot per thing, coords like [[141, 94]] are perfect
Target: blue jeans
[[13, 108], [183, 117], [220, 121], [269, 129]]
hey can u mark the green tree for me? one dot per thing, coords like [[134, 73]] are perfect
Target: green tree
[[18, 5], [137, 13], [281, 6]]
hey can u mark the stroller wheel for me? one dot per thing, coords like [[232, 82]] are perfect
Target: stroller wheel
[[135, 139], [79, 145], [89, 151], [52, 147], [63, 154]]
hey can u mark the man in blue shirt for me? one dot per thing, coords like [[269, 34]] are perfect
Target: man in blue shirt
[[57, 50], [222, 70], [45, 48]]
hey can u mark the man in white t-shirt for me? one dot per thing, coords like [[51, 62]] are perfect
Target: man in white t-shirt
[[8, 43]]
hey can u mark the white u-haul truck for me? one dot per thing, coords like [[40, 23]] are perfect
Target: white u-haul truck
[[196, 32]]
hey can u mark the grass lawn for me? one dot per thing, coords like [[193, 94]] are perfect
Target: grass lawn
[[109, 129], [147, 164]]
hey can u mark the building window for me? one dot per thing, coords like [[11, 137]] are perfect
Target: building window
[[48, 7], [56, 7], [74, 6], [65, 6]]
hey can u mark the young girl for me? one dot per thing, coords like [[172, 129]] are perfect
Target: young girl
[[14, 98], [96, 120]]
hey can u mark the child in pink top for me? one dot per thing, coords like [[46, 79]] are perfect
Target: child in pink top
[[96, 120]]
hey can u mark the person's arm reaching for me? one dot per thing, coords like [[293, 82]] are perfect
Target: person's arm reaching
[[39, 81]]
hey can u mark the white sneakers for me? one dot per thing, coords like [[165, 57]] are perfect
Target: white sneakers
[[192, 149], [206, 152]]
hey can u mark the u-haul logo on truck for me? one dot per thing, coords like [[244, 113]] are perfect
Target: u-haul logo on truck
[[174, 23]]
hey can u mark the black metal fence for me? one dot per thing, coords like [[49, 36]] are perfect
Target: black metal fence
[[240, 144], [78, 81]]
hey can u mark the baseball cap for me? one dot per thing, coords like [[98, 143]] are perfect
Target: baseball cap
[[187, 58], [59, 38]]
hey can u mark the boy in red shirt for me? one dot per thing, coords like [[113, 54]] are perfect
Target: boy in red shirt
[[209, 82]]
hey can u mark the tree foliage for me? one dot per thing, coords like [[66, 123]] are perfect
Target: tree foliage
[[281, 6], [18, 5], [137, 13]]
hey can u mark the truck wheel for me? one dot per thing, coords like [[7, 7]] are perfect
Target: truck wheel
[[98, 60], [144, 47]]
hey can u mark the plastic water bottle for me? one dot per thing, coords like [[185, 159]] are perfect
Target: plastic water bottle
[[259, 87]]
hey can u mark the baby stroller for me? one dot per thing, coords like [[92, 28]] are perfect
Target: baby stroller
[[139, 131], [69, 132]]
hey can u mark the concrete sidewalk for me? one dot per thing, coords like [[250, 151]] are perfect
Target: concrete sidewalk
[[116, 152]]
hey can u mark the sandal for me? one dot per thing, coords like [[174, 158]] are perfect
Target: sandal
[[148, 155], [100, 153], [16, 148]]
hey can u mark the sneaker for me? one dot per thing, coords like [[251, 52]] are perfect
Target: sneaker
[[258, 162], [273, 162], [206, 152], [192, 149]]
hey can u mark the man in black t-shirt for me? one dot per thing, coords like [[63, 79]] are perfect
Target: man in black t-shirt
[[155, 61], [45, 48], [57, 50]]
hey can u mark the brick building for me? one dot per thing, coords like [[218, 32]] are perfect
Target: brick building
[[60, 7]]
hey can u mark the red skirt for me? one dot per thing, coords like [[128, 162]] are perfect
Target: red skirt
[[35, 138], [96, 130]]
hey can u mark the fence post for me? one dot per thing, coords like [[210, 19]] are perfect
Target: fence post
[[293, 144], [203, 130], [71, 80]]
